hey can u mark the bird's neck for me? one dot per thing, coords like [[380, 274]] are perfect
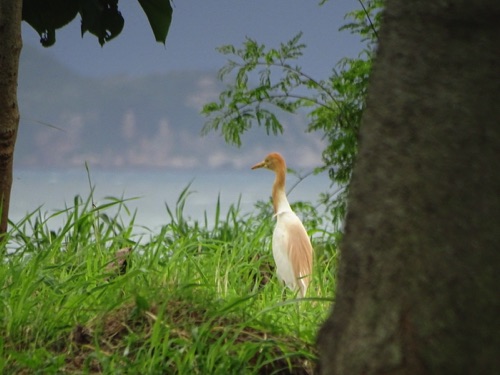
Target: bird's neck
[[280, 202]]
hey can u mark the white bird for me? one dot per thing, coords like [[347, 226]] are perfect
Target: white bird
[[292, 250]]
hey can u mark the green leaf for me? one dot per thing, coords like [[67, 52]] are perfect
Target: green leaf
[[47, 16], [101, 19], [159, 13]]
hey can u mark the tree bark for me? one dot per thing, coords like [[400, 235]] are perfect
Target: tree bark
[[10, 49], [418, 278]]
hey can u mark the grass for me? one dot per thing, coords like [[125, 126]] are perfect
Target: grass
[[192, 299]]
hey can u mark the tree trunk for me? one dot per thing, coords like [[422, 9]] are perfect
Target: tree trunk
[[419, 273], [10, 49]]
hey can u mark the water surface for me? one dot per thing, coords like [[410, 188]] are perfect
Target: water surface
[[54, 190]]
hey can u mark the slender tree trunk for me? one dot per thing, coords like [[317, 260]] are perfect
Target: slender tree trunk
[[419, 281], [10, 49]]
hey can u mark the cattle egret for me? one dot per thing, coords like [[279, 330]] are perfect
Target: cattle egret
[[292, 250]]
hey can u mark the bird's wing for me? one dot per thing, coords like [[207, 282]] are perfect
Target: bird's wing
[[284, 268], [298, 248]]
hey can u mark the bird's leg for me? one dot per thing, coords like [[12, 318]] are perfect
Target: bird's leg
[[283, 293]]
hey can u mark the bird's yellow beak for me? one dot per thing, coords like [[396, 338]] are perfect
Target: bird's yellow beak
[[262, 164]]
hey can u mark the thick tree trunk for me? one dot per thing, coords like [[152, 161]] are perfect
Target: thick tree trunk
[[419, 273], [10, 49]]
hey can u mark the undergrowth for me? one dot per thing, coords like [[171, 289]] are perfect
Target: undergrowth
[[102, 294]]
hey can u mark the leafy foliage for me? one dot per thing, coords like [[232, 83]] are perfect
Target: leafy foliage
[[261, 80], [99, 17]]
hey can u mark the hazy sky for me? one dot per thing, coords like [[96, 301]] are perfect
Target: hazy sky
[[198, 27]]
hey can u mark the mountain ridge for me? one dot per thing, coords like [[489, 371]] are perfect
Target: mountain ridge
[[150, 121]]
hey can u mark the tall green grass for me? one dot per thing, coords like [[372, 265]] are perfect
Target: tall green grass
[[194, 298]]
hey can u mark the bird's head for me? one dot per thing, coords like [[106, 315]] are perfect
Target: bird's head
[[273, 161]]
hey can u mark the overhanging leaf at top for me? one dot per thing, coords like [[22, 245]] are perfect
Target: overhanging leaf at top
[[159, 13], [101, 18], [47, 16]]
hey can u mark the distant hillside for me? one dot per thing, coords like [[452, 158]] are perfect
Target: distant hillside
[[150, 121]]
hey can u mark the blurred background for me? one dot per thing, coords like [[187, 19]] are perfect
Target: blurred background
[[130, 110]]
